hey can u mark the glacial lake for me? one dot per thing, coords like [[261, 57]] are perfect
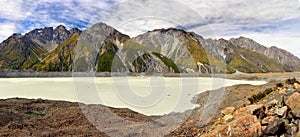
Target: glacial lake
[[146, 95]]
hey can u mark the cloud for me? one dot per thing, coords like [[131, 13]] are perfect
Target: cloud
[[26, 15], [272, 23], [6, 28], [138, 16], [12, 10], [241, 15]]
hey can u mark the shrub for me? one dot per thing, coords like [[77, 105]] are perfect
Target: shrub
[[279, 85], [34, 113], [268, 91], [256, 97], [291, 81]]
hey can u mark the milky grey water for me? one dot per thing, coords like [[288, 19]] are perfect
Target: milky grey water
[[146, 95]]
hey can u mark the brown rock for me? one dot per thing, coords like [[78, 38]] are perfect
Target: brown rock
[[269, 114], [292, 129], [282, 91], [246, 126], [255, 129], [251, 109], [271, 104], [297, 86], [281, 111], [276, 127], [293, 102], [263, 128], [267, 120], [228, 118], [228, 111]]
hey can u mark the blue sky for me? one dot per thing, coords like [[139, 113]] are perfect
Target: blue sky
[[271, 23]]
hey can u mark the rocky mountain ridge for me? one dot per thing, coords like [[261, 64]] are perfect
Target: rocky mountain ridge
[[289, 61], [104, 49]]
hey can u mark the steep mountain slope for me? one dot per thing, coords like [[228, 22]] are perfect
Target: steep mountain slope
[[285, 58], [50, 38], [141, 58], [97, 47], [179, 46], [24, 51], [102, 48], [239, 58], [19, 52], [61, 59], [252, 62]]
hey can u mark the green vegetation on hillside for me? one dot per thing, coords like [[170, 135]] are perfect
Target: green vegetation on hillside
[[219, 66], [20, 54], [241, 64], [264, 63], [108, 61], [168, 62], [252, 62], [197, 52], [61, 59]]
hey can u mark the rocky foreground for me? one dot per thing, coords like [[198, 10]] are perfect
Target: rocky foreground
[[273, 112], [245, 110]]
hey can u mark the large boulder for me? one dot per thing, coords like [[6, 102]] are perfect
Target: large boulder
[[281, 111], [245, 126], [276, 127], [257, 110], [293, 102]]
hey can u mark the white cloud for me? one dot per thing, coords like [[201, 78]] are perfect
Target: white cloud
[[194, 14], [6, 29], [29, 14], [138, 16], [11, 9], [245, 11], [267, 22]]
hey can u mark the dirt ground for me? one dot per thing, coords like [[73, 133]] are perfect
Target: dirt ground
[[27, 117]]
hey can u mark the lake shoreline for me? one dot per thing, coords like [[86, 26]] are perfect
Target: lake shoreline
[[236, 76]]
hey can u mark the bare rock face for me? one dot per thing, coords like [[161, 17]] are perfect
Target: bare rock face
[[293, 102], [290, 62], [118, 53], [182, 47], [60, 34], [238, 57], [42, 35], [74, 31], [49, 38]]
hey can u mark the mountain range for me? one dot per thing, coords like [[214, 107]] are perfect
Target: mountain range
[[102, 48]]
